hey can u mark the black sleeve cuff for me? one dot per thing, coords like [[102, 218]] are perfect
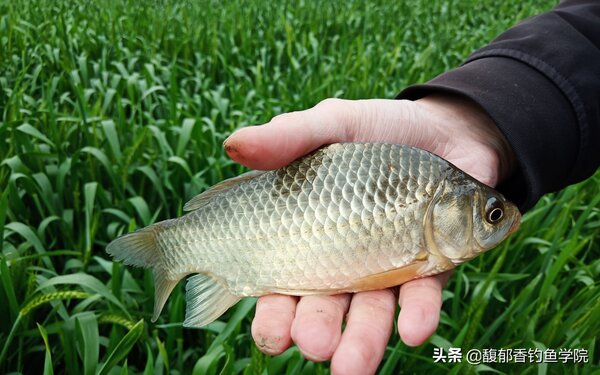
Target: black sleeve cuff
[[529, 109]]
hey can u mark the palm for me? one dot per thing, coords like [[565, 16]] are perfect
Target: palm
[[461, 135]]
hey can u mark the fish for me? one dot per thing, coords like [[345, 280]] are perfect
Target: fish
[[346, 218]]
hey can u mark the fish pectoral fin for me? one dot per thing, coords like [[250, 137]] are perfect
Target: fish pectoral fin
[[204, 197], [207, 298], [389, 278]]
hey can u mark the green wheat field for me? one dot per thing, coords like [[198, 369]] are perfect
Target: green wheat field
[[113, 114]]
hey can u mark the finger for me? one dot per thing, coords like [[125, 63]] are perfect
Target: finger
[[291, 135], [420, 304], [272, 322], [317, 327], [368, 327], [288, 136]]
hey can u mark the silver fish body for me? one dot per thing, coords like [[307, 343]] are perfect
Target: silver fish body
[[346, 218]]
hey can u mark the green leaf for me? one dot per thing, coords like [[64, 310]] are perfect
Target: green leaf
[[89, 341], [29, 235], [45, 190], [185, 133], [8, 288], [89, 194], [390, 363], [241, 310], [208, 361], [110, 131], [123, 347], [125, 369], [3, 209], [163, 353], [30, 130], [156, 182], [100, 156], [10, 337], [142, 209], [118, 213], [48, 368], [152, 90], [31, 238], [182, 163], [149, 369]]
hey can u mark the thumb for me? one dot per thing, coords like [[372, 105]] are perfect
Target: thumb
[[291, 135]]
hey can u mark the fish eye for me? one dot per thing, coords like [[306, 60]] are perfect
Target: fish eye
[[494, 211]]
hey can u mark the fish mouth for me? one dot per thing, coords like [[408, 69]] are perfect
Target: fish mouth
[[515, 224]]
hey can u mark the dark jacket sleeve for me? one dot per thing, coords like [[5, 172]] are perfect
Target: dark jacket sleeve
[[540, 83]]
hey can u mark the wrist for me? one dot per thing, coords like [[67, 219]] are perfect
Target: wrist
[[469, 129]]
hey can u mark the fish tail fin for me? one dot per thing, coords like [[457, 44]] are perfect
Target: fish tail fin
[[206, 298], [140, 249]]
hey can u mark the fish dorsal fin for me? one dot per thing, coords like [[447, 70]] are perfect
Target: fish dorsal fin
[[206, 299], [204, 197]]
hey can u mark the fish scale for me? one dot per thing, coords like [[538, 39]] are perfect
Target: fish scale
[[346, 217]]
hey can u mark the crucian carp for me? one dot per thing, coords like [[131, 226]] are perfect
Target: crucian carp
[[348, 217]]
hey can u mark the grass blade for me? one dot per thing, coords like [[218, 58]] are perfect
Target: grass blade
[[9, 339], [8, 288], [110, 131], [123, 347], [241, 310], [30, 130], [48, 368], [88, 339], [185, 134], [3, 209]]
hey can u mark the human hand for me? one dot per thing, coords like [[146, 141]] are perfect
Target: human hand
[[449, 126]]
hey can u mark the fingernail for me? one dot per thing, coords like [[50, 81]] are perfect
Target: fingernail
[[227, 140], [229, 148]]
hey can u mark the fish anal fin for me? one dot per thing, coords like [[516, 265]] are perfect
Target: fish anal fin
[[207, 298], [162, 289], [390, 278], [204, 197]]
